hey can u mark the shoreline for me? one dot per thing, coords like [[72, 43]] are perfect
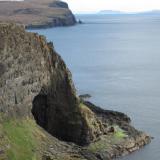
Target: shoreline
[[121, 141], [47, 26]]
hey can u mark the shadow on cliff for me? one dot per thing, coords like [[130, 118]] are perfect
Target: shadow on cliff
[[39, 110], [62, 124]]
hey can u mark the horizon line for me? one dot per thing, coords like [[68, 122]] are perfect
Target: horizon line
[[120, 12]]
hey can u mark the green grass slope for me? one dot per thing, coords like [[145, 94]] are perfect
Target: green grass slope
[[19, 139]]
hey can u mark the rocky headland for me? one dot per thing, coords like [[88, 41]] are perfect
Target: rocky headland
[[37, 13], [41, 116]]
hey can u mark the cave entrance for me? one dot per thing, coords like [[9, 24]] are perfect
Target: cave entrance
[[39, 110], [58, 119]]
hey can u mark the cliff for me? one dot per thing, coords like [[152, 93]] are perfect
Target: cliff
[[36, 86], [37, 13]]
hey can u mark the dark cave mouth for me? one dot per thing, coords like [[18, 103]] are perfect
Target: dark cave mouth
[[50, 122], [39, 110], [52, 118]]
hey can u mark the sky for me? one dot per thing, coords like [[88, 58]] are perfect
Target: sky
[[120, 5], [78, 6]]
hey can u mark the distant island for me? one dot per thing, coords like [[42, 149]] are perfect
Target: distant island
[[37, 13], [112, 12]]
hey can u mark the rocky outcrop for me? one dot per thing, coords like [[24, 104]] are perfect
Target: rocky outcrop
[[37, 13], [34, 79], [119, 138], [36, 84]]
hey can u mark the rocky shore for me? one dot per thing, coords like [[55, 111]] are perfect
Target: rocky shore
[[41, 116], [37, 13]]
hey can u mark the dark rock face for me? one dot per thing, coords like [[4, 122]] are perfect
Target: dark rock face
[[2, 69], [35, 79], [39, 110], [67, 19], [111, 117]]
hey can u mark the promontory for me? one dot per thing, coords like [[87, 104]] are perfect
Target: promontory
[[37, 13], [41, 116]]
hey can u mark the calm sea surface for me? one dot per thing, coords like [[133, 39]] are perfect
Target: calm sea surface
[[116, 59]]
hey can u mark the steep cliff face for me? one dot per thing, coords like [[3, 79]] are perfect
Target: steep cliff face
[[35, 80]]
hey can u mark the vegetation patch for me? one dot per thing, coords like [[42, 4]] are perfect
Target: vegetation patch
[[106, 142], [119, 133], [100, 145], [20, 139]]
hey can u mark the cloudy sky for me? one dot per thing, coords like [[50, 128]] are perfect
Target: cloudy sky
[[122, 5]]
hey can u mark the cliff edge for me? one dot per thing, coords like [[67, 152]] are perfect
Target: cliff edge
[[39, 107]]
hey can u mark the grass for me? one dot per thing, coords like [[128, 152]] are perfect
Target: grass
[[21, 141], [119, 133], [100, 145]]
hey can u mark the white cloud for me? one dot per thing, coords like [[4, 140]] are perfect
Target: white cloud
[[122, 5]]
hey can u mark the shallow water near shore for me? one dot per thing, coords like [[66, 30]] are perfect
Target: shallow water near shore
[[116, 60]]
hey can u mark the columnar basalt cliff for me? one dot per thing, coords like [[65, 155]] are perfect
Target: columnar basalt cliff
[[37, 13], [36, 84]]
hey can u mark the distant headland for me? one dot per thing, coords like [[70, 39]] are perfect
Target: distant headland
[[37, 13], [113, 12]]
